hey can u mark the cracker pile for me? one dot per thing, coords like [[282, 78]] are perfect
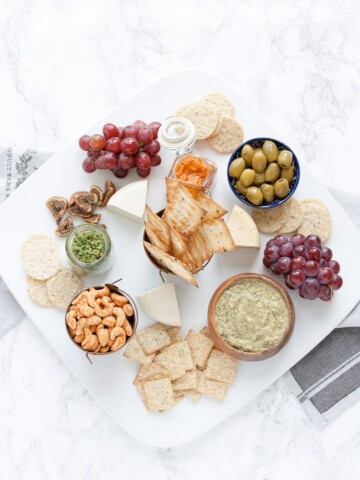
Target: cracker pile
[[213, 117], [172, 368], [48, 283], [310, 216], [188, 233]]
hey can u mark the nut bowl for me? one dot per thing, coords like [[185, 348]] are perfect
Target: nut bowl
[[258, 143], [154, 262], [91, 321], [234, 352]]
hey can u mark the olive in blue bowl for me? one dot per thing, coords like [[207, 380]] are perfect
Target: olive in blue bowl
[[263, 172]]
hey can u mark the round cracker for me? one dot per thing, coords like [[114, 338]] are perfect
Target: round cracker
[[63, 287], [40, 257], [230, 136], [38, 292], [218, 126], [316, 219], [294, 216], [270, 220], [221, 103], [203, 116]]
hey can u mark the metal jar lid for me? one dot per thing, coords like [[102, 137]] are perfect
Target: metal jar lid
[[176, 134]]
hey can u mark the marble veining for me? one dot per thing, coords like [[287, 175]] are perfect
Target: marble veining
[[64, 65]]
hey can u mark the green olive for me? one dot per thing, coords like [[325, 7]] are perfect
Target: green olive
[[259, 162], [240, 188], [288, 173], [272, 172], [236, 167], [247, 153], [268, 192], [285, 158], [259, 178], [281, 187], [247, 177], [271, 151], [254, 195]]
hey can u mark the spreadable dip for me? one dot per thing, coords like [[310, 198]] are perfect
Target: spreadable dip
[[251, 315]]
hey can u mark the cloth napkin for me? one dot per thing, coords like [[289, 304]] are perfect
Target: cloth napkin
[[326, 381]]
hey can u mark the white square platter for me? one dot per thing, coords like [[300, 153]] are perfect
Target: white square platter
[[110, 377]]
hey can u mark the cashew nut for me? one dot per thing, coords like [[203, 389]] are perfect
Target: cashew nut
[[116, 331], [79, 298], [120, 316], [103, 336], [71, 319], [127, 327], [129, 311], [119, 300], [103, 308], [109, 321], [104, 349], [80, 326], [85, 310], [94, 320], [118, 343]]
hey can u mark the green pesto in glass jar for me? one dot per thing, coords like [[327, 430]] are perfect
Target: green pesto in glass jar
[[88, 246]]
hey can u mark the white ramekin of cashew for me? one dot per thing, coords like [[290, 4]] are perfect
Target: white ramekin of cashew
[[100, 320]]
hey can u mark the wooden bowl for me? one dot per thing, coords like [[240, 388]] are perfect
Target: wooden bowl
[[133, 320], [218, 340], [154, 262]]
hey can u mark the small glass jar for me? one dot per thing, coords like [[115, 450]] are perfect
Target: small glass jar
[[101, 265], [178, 135]]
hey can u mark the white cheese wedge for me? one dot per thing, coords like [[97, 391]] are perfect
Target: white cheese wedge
[[243, 229], [130, 200], [161, 304]]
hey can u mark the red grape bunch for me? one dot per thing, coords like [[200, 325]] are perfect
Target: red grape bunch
[[120, 149], [305, 264]]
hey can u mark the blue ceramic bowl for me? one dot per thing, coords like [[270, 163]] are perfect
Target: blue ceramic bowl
[[257, 143]]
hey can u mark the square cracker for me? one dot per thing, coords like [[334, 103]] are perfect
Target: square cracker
[[159, 394], [136, 353], [205, 331], [185, 354], [193, 394], [200, 347], [186, 382], [170, 359], [153, 338], [148, 371], [212, 388], [221, 367], [216, 235], [175, 334], [214, 211]]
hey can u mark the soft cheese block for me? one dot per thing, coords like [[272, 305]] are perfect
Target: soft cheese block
[[161, 304], [243, 229], [130, 200]]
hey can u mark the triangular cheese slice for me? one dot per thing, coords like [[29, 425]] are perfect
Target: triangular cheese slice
[[130, 200], [161, 304], [243, 229]]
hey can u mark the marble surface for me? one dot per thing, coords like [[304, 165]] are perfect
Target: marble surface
[[64, 65]]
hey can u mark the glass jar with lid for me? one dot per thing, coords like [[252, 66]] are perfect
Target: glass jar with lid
[[178, 135], [88, 248]]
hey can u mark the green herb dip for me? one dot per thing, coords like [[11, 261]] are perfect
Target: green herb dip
[[251, 315], [88, 246]]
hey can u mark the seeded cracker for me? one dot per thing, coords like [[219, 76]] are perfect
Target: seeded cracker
[[221, 103], [40, 257], [212, 388], [216, 236], [271, 219], [175, 334], [185, 355], [294, 216], [159, 394], [38, 292], [148, 371], [186, 382], [169, 358], [136, 353], [316, 219], [200, 347], [230, 136], [221, 367], [203, 116], [153, 338], [63, 287]]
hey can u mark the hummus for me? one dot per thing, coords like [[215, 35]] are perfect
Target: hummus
[[251, 315]]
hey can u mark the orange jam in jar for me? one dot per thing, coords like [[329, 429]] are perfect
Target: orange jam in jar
[[192, 169]]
